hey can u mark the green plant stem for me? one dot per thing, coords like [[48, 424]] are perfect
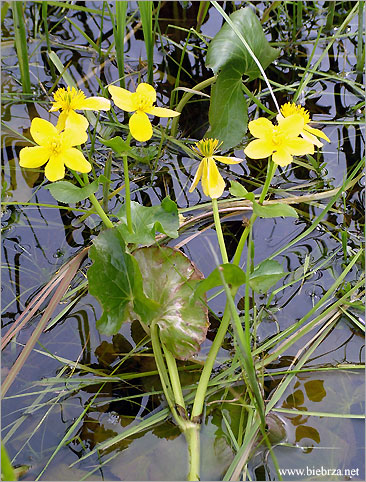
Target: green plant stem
[[192, 435], [21, 45], [174, 378], [271, 169], [127, 187], [7, 470], [360, 43], [220, 236], [185, 99], [99, 210]]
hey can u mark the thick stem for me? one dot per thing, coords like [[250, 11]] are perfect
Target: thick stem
[[174, 378], [220, 236], [192, 435], [127, 194]]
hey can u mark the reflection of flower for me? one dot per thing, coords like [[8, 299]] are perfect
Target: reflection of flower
[[308, 132], [141, 102], [69, 100], [212, 182], [56, 149], [282, 140]]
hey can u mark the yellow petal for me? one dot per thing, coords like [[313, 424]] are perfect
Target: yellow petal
[[310, 138], [316, 132], [60, 126], [147, 91], [122, 98], [292, 125], [162, 112], [282, 157], [55, 106], [73, 137], [94, 103], [261, 128], [140, 127], [204, 180], [33, 156], [197, 177], [216, 184], [259, 149], [75, 160], [76, 122], [299, 147], [228, 160], [42, 131], [55, 168]]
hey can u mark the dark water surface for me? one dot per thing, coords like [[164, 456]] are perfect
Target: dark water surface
[[38, 240]]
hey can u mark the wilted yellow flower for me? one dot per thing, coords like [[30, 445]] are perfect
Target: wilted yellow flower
[[71, 99], [281, 141], [141, 102], [308, 133], [212, 182], [56, 149]]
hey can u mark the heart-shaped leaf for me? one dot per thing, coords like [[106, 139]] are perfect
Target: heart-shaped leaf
[[228, 114], [265, 275], [233, 276], [226, 48], [274, 210], [147, 221], [169, 278], [238, 190], [68, 193], [115, 281]]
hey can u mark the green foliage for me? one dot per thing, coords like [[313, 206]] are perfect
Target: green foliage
[[115, 281], [68, 193], [228, 113], [169, 279], [265, 275], [147, 221], [238, 190], [233, 276], [153, 284], [118, 145], [274, 210], [227, 50]]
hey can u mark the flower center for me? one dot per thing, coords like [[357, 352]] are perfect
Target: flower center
[[207, 147], [277, 136], [290, 108], [55, 146], [68, 98], [141, 101]]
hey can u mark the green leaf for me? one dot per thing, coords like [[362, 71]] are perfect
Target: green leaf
[[238, 190], [228, 114], [169, 278], [274, 210], [115, 281], [227, 50], [68, 193], [265, 275], [117, 144], [233, 276], [147, 221]]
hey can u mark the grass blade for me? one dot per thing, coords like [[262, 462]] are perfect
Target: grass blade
[[21, 45], [119, 33], [146, 8]]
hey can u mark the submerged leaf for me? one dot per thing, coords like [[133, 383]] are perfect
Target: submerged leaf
[[169, 279]]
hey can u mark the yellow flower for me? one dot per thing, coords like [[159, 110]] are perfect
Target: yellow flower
[[141, 102], [56, 149], [308, 133], [69, 100], [282, 140], [212, 182]]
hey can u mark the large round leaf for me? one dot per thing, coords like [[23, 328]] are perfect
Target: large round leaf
[[169, 279]]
